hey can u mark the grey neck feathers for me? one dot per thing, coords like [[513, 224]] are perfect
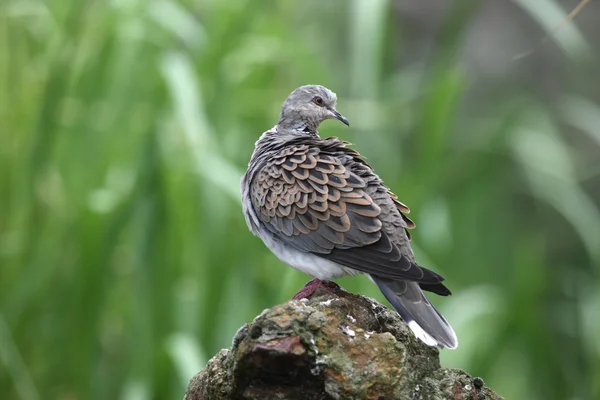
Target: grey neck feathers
[[297, 125]]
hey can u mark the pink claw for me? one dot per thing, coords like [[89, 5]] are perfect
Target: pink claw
[[313, 286]]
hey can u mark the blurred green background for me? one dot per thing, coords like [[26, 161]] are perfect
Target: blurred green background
[[125, 125]]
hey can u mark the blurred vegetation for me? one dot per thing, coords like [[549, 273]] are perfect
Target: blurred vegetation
[[125, 262]]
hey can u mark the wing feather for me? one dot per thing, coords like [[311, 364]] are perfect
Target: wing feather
[[327, 201]]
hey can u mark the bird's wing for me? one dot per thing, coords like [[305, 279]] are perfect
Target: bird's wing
[[327, 201]]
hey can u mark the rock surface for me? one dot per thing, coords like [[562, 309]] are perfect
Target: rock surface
[[333, 346]]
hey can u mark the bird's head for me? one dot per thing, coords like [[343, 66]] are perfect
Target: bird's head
[[308, 106]]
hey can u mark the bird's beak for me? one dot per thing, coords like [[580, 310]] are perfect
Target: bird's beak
[[335, 114]]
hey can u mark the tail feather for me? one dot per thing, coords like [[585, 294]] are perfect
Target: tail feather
[[421, 316]]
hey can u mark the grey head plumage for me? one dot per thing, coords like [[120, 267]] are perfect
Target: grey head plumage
[[320, 208], [308, 106]]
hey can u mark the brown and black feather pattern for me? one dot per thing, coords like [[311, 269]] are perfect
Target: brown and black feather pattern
[[319, 196]]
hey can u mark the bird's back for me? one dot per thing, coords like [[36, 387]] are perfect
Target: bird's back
[[319, 196]]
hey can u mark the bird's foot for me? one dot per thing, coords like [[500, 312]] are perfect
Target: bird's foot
[[314, 286]]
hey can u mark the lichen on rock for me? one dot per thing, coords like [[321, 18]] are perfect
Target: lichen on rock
[[333, 346]]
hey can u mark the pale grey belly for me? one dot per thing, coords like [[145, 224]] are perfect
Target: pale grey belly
[[308, 263]]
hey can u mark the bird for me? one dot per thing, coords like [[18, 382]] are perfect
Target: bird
[[320, 208]]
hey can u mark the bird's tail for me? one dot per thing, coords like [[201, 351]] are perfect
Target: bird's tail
[[420, 315]]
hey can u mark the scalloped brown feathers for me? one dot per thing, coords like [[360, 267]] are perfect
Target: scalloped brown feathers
[[319, 196]]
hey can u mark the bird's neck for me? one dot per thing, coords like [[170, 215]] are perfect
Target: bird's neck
[[299, 126]]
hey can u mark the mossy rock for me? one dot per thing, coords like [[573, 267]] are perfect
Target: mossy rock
[[332, 346]]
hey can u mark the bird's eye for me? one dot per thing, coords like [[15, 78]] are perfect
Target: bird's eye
[[318, 100]]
